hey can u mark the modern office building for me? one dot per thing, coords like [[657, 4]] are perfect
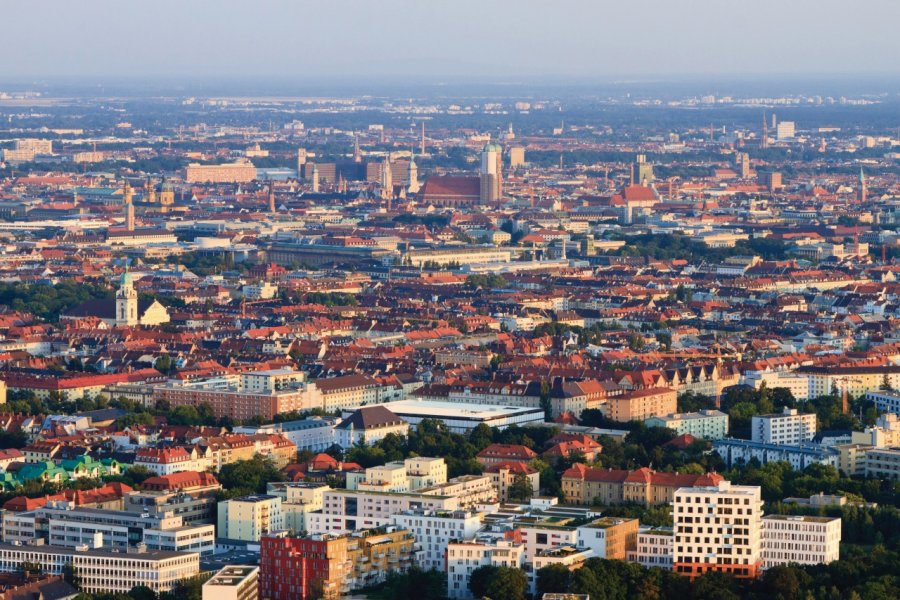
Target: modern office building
[[103, 571], [802, 540]]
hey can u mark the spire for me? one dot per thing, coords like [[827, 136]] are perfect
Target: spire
[[863, 188], [357, 155]]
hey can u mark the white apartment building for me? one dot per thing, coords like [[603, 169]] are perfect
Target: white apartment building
[[434, 531], [718, 529], [248, 518], [348, 510], [705, 424], [410, 475], [465, 557], [804, 540], [271, 380], [654, 548], [788, 427], [260, 291], [797, 383], [102, 571]]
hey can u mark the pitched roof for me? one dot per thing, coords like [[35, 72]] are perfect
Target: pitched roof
[[371, 417]]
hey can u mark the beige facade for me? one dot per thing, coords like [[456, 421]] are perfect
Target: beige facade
[[250, 517], [238, 172], [639, 405]]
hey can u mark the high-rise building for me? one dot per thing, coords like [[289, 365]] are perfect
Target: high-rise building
[[785, 130], [718, 528], [315, 179], [743, 163], [771, 180], [491, 182]]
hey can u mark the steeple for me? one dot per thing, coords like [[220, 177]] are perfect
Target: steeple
[[128, 207], [357, 155], [764, 142], [863, 188], [412, 179], [272, 198], [387, 180]]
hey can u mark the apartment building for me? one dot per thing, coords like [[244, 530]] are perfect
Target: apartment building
[[329, 566], [803, 540], [234, 582], [504, 474], [103, 571], [639, 405], [705, 424], [297, 500], [587, 485], [609, 537], [434, 531], [885, 401], [239, 404], [465, 557], [788, 427], [653, 548], [883, 463], [718, 528], [248, 518], [188, 494], [348, 391], [734, 451], [409, 475]]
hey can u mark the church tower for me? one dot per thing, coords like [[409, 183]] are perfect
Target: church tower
[[272, 198], [166, 195], [126, 301], [128, 207], [412, 183], [387, 179]]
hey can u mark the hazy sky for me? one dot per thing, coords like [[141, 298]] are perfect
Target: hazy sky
[[500, 40]]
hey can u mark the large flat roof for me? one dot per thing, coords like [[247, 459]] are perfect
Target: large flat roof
[[457, 410]]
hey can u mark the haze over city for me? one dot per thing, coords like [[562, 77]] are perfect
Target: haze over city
[[450, 300]]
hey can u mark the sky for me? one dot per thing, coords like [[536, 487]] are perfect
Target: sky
[[409, 40]]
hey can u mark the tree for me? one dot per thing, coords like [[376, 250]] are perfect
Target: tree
[[141, 592], [520, 490], [553, 578], [504, 583]]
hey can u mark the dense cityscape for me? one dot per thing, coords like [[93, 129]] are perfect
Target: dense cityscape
[[268, 340]]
